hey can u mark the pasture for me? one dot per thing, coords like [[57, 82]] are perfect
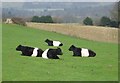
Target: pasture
[[0, 52], [103, 67]]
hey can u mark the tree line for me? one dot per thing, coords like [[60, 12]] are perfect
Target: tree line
[[42, 19], [114, 21], [104, 21]]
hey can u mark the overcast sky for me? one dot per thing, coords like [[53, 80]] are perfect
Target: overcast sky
[[59, 0]]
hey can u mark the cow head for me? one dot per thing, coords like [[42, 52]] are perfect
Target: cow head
[[72, 47], [59, 51], [19, 48]]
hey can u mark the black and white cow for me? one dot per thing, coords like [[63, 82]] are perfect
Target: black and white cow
[[52, 53], [30, 51], [82, 52], [53, 43]]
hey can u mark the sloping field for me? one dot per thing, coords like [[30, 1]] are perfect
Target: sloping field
[[87, 32], [103, 67]]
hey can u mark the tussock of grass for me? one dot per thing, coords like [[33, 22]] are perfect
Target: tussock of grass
[[103, 67]]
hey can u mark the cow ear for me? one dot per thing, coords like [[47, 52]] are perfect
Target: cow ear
[[47, 39], [73, 46]]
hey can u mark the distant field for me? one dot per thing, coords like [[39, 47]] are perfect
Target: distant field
[[103, 67], [96, 33]]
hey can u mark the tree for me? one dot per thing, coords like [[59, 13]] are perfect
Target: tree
[[42, 19], [49, 19], [114, 24], [115, 13], [46, 19], [118, 13], [105, 21], [35, 19], [88, 21]]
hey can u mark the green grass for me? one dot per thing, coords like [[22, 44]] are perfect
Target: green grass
[[103, 67], [0, 52]]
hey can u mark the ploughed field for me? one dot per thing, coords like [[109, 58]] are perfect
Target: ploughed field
[[96, 33]]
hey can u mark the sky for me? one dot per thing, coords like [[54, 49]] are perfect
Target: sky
[[59, 0]]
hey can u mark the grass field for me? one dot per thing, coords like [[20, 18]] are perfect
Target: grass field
[[103, 67], [0, 52]]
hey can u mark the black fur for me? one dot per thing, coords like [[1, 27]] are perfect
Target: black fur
[[61, 44], [27, 51], [52, 53], [77, 51], [49, 42]]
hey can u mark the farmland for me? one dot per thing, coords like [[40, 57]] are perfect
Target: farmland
[[103, 67], [95, 33]]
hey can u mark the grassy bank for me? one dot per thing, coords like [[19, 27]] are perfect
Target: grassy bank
[[18, 68]]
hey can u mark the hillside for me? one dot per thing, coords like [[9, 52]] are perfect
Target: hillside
[[103, 67], [77, 11]]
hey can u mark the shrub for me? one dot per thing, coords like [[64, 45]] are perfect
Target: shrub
[[88, 21], [35, 19], [105, 21], [19, 21], [114, 24]]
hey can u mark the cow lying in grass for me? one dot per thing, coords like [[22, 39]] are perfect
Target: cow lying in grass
[[37, 52], [30, 51], [82, 52], [53, 43], [52, 53]]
